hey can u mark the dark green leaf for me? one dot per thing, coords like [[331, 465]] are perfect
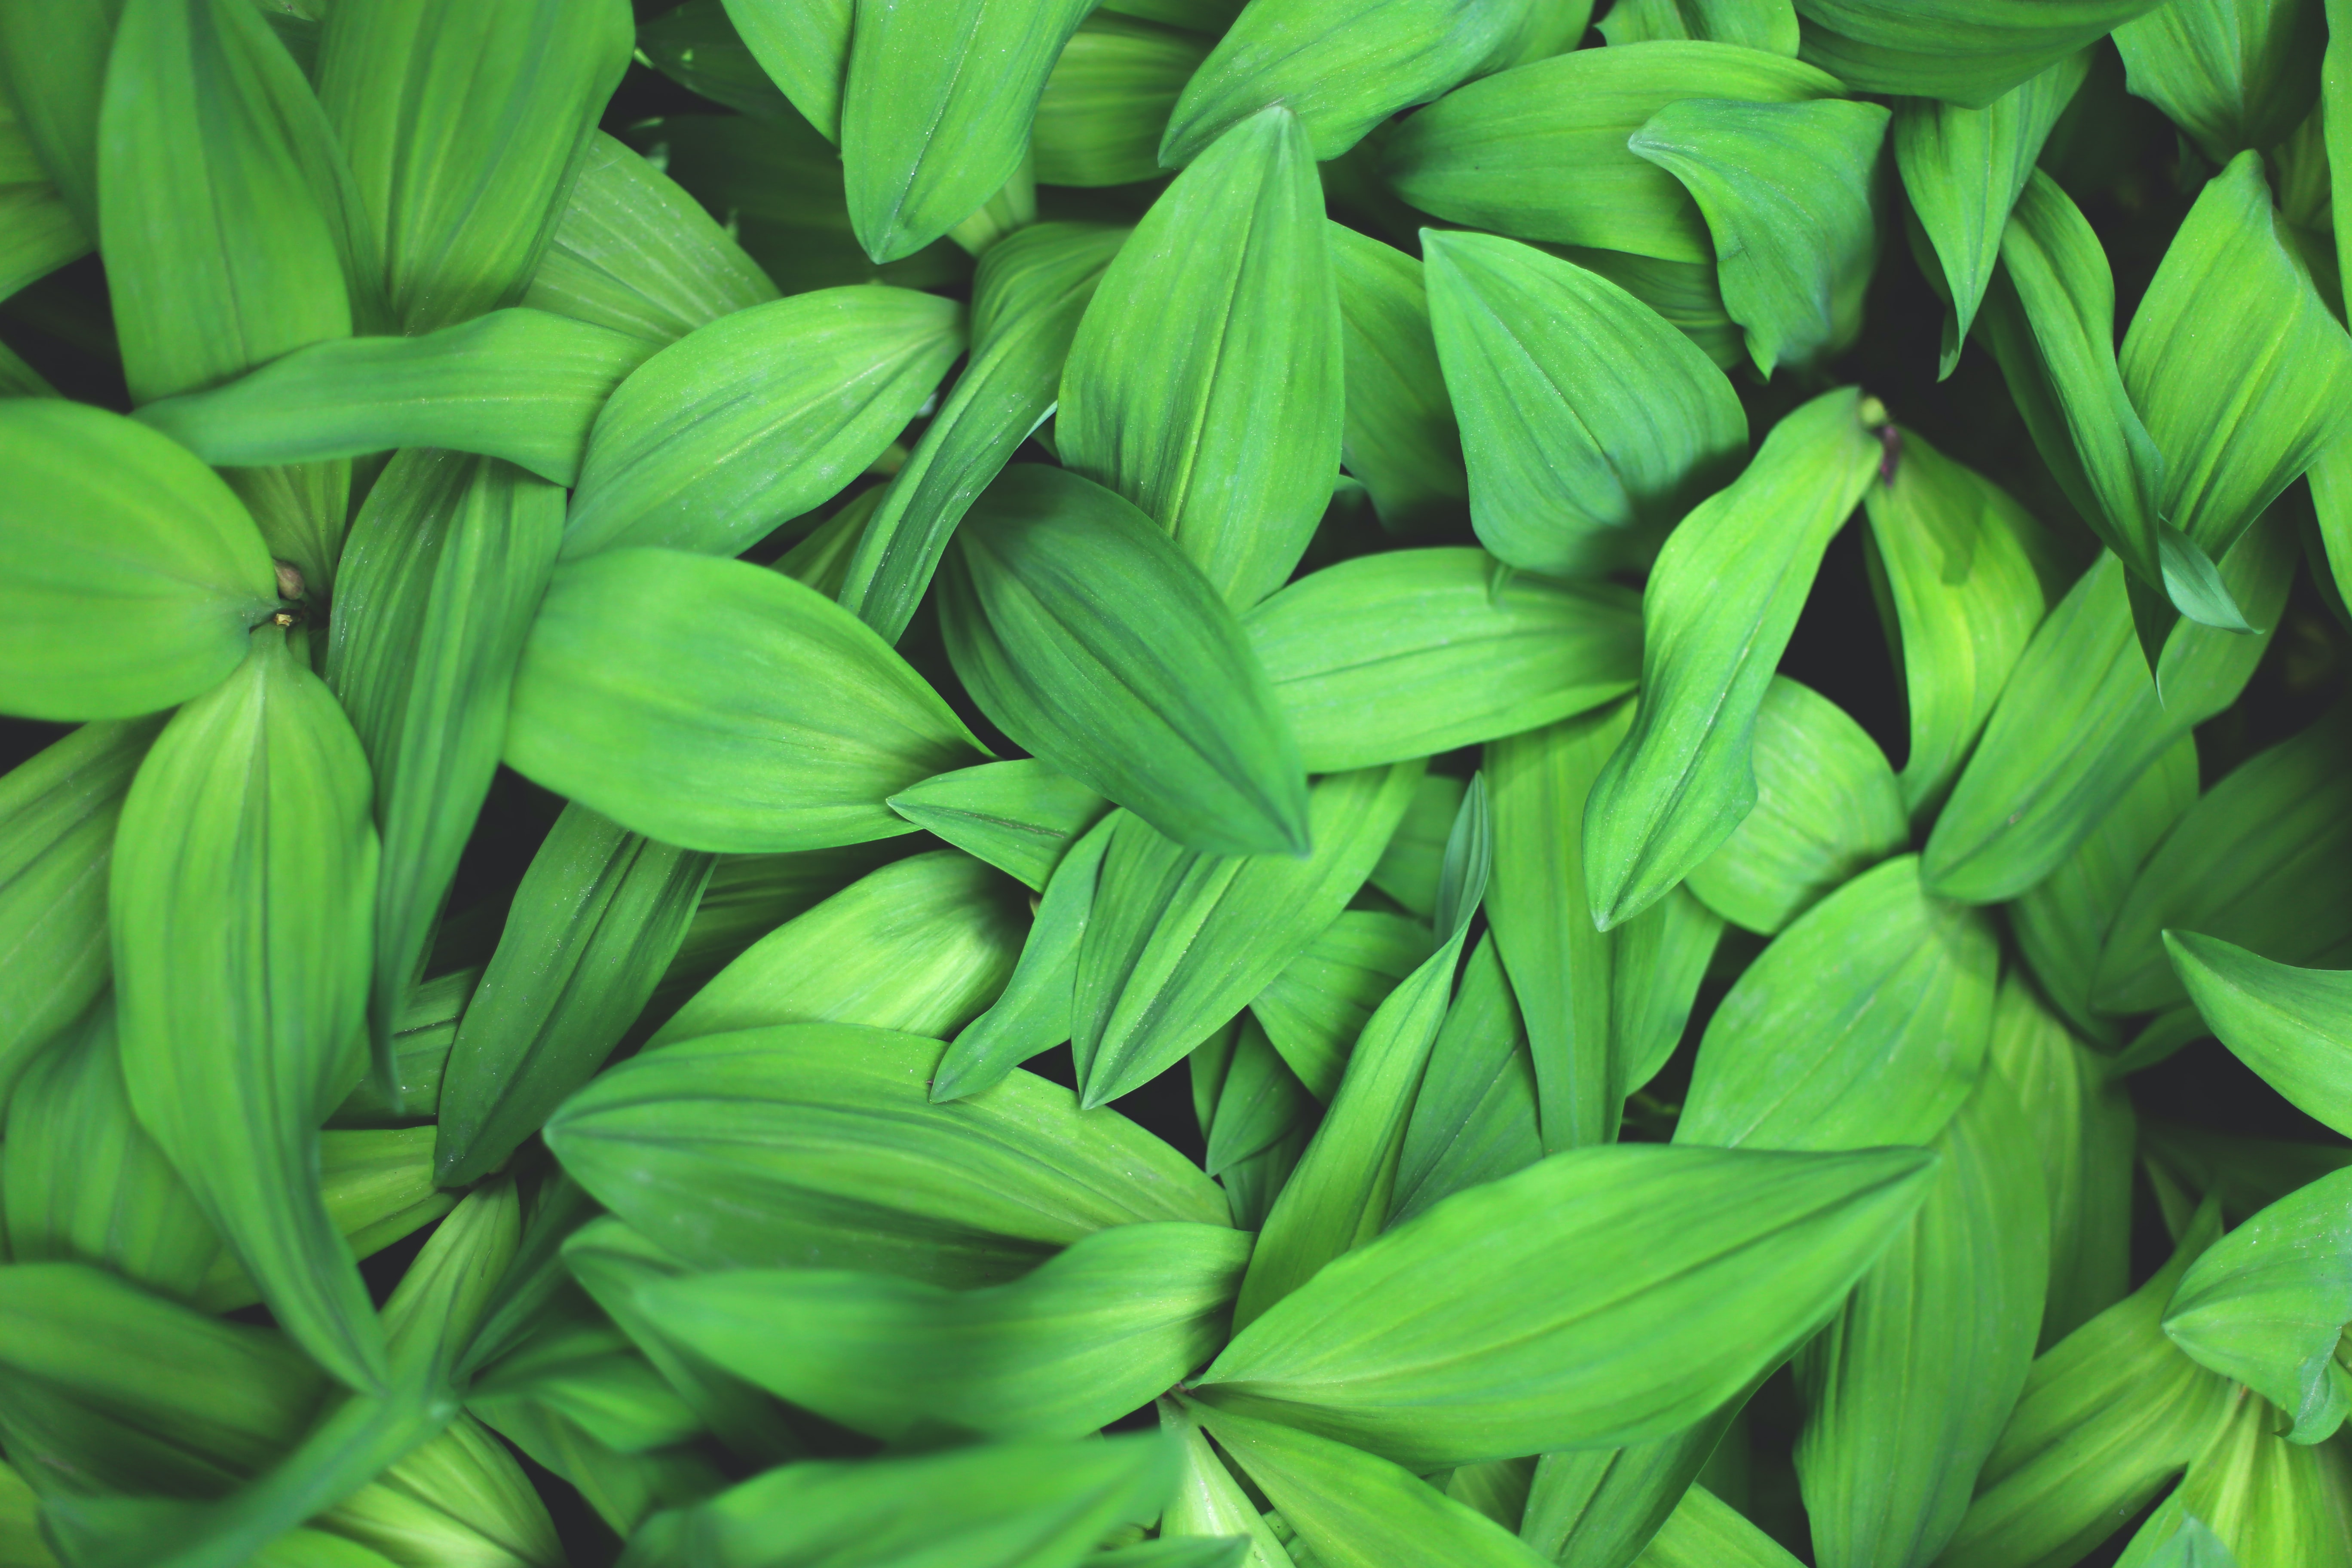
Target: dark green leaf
[[1474, 1116], [2234, 74], [1969, 52], [2289, 1024], [1767, 25]]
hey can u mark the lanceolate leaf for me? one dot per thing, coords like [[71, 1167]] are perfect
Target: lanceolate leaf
[[2289, 1024], [243, 881], [2235, 76], [1585, 1302], [698, 46], [442, 576], [1210, 1503], [1474, 1116], [1588, 424], [1312, 1012], [1205, 382], [521, 384], [1719, 607], [1021, 816], [803, 46], [1103, 110], [1767, 25], [1090, 640], [2238, 1483], [758, 418], [1704, 1532], [1413, 652], [1609, 1504], [129, 573], [1399, 439], [464, 124], [598, 916], [635, 674], [1969, 52], [53, 60]]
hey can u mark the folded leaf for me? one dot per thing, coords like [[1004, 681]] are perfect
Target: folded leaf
[[1540, 152], [1719, 607], [812, 1145], [2289, 1024], [1205, 382], [1474, 1116], [803, 46], [1312, 1012], [521, 384], [1967, 52], [129, 573], [1588, 424], [1827, 808], [633, 674], [1609, 1504], [1413, 652], [2234, 74], [1020, 817], [1260, 1102], [377, 1186], [1209, 1503], [1085, 634], [1588, 1300], [758, 418], [1107, 103], [1399, 438]]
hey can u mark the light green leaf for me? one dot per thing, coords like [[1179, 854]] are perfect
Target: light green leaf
[[521, 384], [1020, 817], [1684, 292], [2270, 1500], [1413, 652], [1600, 1297], [758, 418], [129, 573], [751, 895], [1086, 635], [1032, 287], [1947, 1316], [1205, 382], [803, 46], [464, 125], [2291, 1025], [1963, 170], [1719, 607], [1827, 808], [1767, 25], [1540, 152], [2234, 74], [1399, 438], [812, 1145], [1103, 108], [443, 571], [1210, 1503], [1786, 189], [1410, 866], [1704, 1532], [587, 1374], [633, 675], [598, 916], [925, 140], [1313, 1011], [1179, 941], [921, 946], [1967, 52], [633, 253], [1474, 1116], [1957, 556], [377, 1187], [1865, 1023], [2192, 1545], [53, 62], [1606, 1504], [1090, 1335], [1260, 1102], [1588, 424]]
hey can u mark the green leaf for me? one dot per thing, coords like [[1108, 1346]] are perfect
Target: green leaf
[[1090, 1335], [751, 895], [53, 62], [1410, 866], [57, 815], [1588, 424], [464, 125], [1399, 436], [2244, 374], [1260, 1102], [1032, 287], [521, 384], [2267, 1305], [1341, 66], [1827, 808], [2289, 1024], [803, 46], [2083, 1133], [1210, 1503], [1684, 292], [1205, 382], [1967, 52], [2193, 1545], [1865, 1023], [697, 47], [1103, 108], [2109, 1415], [38, 234], [1540, 152], [812, 1145], [377, 1187], [1767, 25], [1606, 1504], [2269, 1499], [921, 946], [994, 1505], [1704, 1532], [129, 573], [1959, 558], [588, 1374], [1022, 816], [598, 916], [1313, 1011], [1085, 634], [633, 253], [633, 675], [2257, 863], [1600, 1297], [1180, 941], [1474, 1116], [2080, 720], [1947, 1316], [1356, 1509], [443, 571], [243, 882], [1413, 652], [758, 418], [926, 141], [1786, 189], [1719, 607], [1964, 169], [2236, 75]]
